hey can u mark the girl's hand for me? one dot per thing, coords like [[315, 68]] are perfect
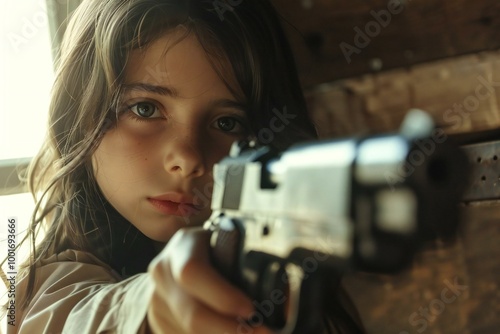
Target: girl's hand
[[191, 296]]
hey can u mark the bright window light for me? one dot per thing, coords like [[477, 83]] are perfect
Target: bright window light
[[26, 75]]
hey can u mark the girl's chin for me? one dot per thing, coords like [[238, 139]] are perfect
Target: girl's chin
[[168, 228]]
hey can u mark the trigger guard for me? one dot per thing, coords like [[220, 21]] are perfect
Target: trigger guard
[[306, 301], [295, 276]]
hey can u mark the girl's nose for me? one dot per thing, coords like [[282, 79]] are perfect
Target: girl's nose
[[185, 158]]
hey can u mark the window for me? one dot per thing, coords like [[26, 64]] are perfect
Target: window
[[26, 78], [26, 75]]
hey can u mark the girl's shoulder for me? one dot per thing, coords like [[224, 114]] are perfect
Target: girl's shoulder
[[73, 256], [76, 262], [72, 286]]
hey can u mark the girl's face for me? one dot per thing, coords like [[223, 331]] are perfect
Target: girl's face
[[177, 118]]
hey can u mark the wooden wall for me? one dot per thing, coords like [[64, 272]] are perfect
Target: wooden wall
[[439, 56], [461, 93], [426, 54], [416, 31], [452, 287]]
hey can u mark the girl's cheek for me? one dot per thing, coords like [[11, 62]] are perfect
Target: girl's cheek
[[119, 155], [220, 148], [138, 137], [141, 128]]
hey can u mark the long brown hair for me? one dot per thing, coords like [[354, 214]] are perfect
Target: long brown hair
[[94, 53]]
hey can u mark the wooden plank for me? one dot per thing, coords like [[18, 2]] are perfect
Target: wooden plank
[[422, 31], [461, 93], [453, 287]]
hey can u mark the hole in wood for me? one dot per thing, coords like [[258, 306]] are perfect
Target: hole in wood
[[479, 159], [483, 178]]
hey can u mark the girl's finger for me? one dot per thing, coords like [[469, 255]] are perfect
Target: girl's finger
[[204, 283], [193, 316], [186, 262]]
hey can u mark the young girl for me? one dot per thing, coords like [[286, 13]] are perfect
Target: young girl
[[149, 95]]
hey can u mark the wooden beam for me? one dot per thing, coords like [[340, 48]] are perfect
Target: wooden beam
[[417, 32]]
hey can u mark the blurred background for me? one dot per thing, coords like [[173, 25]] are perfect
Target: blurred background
[[363, 64]]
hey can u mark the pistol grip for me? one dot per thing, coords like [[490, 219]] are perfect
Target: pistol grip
[[254, 273], [286, 299]]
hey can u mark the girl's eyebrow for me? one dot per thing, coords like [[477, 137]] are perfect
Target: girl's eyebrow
[[172, 92], [141, 86], [228, 103]]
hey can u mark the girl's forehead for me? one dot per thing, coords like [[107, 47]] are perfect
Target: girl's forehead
[[165, 57], [165, 50], [177, 58], [175, 61]]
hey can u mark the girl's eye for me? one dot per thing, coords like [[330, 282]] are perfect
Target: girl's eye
[[230, 124], [145, 110]]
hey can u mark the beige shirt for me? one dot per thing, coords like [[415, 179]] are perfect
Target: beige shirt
[[77, 293]]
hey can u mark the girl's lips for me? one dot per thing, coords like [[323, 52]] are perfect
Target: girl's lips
[[174, 208], [175, 204]]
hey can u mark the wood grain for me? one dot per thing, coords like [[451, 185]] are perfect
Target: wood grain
[[461, 93], [424, 30], [420, 300]]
